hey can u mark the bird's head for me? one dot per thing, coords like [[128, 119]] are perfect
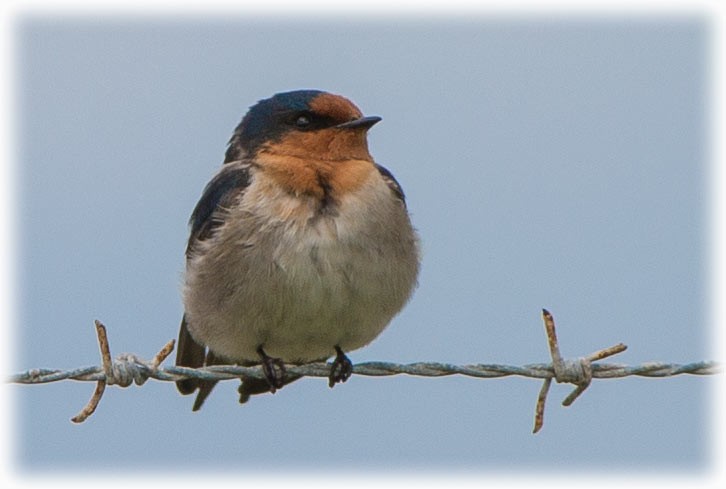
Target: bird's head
[[304, 123]]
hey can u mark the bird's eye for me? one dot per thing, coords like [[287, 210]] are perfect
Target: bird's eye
[[302, 121]]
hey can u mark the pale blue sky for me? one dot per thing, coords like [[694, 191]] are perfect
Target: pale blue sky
[[547, 163]]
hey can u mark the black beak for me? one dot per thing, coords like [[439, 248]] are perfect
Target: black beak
[[362, 123]]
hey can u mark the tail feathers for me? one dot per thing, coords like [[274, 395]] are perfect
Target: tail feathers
[[189, 353], [194, 355], [205, 386], [253, 386]]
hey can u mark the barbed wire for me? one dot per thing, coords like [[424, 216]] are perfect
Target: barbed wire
[[370, 369], [129, 368]]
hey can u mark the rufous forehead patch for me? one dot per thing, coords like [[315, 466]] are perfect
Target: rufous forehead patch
[[336, 107]]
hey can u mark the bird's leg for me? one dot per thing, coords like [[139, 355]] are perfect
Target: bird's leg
[[342, 368], [273, 368]]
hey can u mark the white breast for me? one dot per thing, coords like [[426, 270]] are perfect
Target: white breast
[[282, 275]]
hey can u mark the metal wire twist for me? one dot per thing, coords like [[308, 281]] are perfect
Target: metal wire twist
[[128, 368], [371, 369]]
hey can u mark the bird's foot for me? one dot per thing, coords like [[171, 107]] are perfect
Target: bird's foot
[[342, 368], [274, 370]]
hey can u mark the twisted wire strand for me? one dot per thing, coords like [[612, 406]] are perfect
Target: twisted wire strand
[[371, 369], [127, 369]]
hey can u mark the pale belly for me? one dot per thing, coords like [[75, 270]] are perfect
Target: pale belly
[[298, 293]]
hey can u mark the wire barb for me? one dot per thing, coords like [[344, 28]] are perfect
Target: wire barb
[[128, 368], [578, 371], [121, 372]]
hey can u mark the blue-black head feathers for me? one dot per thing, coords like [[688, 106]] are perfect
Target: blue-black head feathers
[[269, 119], [301, 110]]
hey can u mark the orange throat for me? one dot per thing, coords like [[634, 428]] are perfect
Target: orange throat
[[321, 165], [316, 178]]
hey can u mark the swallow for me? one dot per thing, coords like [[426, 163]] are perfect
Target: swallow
[[301, 246]]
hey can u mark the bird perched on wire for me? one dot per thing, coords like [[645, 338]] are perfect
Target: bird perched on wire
[[301, 246]]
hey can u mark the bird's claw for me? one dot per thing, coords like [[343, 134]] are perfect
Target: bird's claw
[[273, 369], [341, 369]]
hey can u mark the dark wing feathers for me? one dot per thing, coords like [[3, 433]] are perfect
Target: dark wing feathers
[[221, 192], [392, 183]]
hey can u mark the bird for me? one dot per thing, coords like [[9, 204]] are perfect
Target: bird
[[301, 246]]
